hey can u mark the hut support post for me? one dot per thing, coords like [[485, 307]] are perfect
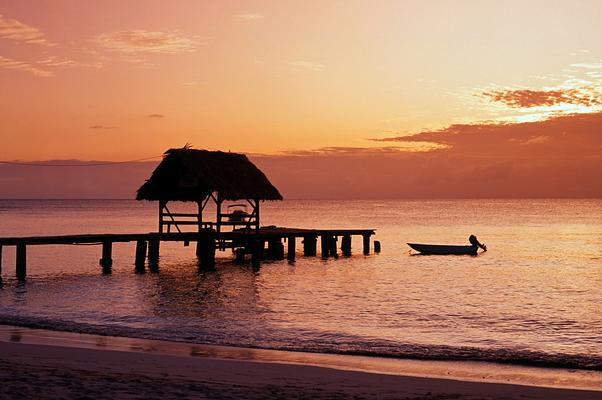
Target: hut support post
[[309, 245], [106, 260], [140, 255], [199, 216], [291, 242], [218, 206], [21, 261], [161, 206], [0, 263], [257, 215], [205, 249], [366, 238], [346, 245]]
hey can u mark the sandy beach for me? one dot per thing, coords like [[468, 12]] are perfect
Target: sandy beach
[[64, 368]]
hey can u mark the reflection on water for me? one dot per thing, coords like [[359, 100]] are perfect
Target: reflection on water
[[532, 298]]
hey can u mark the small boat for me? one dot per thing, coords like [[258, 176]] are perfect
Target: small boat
[[443, 249]]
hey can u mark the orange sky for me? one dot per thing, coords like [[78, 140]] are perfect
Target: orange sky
[[119, 80]]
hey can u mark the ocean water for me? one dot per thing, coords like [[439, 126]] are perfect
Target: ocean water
[[534, 298]]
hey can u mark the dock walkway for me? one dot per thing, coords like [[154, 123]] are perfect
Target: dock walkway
[[242, 241]]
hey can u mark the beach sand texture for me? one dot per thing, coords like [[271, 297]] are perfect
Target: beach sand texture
[[30, 371]]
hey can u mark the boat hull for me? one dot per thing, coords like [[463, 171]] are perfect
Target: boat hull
[[442, 250]]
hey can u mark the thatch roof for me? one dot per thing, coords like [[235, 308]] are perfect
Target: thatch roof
[[190, 175]]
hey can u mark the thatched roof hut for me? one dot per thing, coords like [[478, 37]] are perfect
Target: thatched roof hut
[[199, 176], [191, 175]]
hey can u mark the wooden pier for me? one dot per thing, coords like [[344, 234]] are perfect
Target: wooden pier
[[231, 183], [244, 242]]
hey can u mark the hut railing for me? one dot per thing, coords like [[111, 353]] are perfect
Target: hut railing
[[168, 220]]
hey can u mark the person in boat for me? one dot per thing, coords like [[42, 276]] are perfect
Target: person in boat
[[475, 242]]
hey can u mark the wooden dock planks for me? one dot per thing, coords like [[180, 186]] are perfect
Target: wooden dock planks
[[207, 242]]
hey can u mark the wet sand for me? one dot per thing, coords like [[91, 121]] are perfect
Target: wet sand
[[49, 365]]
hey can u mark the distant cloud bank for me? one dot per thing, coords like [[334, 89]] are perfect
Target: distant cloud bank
[[557, 158]]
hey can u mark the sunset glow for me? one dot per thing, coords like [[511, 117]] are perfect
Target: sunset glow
[[282, 76], [121, 81], [301, 199]]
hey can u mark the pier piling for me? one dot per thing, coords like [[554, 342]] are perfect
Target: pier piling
[[239, 256], [366, 244], [153, 255], [0, 263], [346, 245], [205, 250], [21, 261], [310, 244], [141, 246], [292, 244], [275, 249], [332, 247], [106, 260], [324, 246], [256, 253]]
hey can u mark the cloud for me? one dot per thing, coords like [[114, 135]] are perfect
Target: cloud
[[54, 61], [537, 140], [156, 116], [16, 30], [560, 157], [563, 136], [138, 40], [525, 98], [249, 17], [101, 127], [413, 147], [587, 65], [24, 66], [307, 66]]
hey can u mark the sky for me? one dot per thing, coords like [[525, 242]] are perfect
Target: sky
[[338, 99]]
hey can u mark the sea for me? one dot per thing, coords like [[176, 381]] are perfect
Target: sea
[[534, 298]]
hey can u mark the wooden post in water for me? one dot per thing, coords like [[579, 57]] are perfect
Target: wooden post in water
[[324, 246], [140, 255], [332, 246], [366, 238], [106, 260], [0, 263], [256, 253], [205, 249], [291, 242], [275, 249], [239, 255], [346, 245], [310, 245], [21, 261], [153, 254]]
